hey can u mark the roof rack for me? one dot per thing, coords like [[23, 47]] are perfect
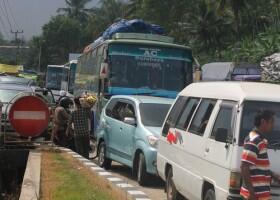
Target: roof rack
[[142, 36]]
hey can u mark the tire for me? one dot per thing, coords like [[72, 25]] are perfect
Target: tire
[[171, 191], [142, 175], [102, 160], [210, 195]]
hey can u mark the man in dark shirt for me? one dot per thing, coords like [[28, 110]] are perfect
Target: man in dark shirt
[[80, 118]]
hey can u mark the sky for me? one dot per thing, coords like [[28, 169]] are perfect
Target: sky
[[28, 15]]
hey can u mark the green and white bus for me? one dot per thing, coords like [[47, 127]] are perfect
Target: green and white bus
[[134, 64]]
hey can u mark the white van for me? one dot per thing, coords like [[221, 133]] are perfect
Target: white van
[[202, 138]]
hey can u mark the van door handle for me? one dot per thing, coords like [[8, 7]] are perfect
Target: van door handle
[[120, 128], [207, 150]]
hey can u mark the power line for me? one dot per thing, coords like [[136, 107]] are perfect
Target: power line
[[11, 12], [4, 26], [6, 13]]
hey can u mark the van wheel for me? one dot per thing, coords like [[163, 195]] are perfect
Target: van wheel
[[210, 195], [142, 174], [171, 191], [102, 160]]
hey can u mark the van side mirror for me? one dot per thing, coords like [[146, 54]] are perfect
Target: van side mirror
[[221, 135], [130, 120]]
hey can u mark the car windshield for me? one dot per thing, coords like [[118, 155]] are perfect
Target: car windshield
[[249, 112], [7, 95], [153, 114]]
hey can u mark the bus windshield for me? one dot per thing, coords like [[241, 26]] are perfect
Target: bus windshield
[[55, 76], [156, 68]]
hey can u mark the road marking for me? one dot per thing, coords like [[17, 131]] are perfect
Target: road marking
[[114, 179], [96, 168], [89, 164], [142, 199], [136, 192], [105, 173], [33, 115], [77, 156], [83, 160], [124, 185]]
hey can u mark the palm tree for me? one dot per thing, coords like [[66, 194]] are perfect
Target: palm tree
[[76, 9], [236, 7]]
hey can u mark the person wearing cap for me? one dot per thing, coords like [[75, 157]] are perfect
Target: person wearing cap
[[79, 118]]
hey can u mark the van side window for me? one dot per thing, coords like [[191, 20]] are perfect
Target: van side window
[[110, 107], [187, 113], [127, 111], [202, 116], [223, 123], [173, 115], [118, 110]]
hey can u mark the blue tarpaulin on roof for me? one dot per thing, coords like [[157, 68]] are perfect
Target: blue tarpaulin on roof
[[129, 26]]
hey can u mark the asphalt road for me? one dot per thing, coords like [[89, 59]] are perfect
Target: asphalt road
[[154, 189]]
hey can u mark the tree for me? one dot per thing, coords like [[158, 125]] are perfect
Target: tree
[[236, 6], [60, 37], [76, 9]]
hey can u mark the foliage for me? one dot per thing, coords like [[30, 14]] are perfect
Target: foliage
[[223, 30]]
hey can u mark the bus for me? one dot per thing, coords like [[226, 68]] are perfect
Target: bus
[[57, 77], [72, 65], [134, 64]]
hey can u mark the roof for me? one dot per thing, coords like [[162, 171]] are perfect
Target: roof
[[236, 91], [217, 71], [7, 86], [145, 99], [15, 80], [147, 42]]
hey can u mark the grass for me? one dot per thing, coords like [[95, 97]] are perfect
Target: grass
[[66, 180]]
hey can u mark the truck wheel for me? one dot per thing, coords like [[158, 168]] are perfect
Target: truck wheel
[[171, 191], [142, 174], [209, 195], [102, 160]]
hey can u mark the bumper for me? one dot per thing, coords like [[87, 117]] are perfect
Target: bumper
[[151, 156]]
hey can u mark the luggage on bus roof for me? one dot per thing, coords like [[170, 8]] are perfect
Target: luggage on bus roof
[[132, 26]]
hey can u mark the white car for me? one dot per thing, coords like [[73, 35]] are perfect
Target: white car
[[200, 146]]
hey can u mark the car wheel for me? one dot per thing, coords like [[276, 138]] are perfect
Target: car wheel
[[171, 191], [142, 174], [102, 160], [209, 195]]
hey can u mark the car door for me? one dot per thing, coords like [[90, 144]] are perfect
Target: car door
[[113, 125], [218, 149], [127, 131]]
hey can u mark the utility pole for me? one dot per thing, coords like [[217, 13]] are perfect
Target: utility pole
[[17, 32]]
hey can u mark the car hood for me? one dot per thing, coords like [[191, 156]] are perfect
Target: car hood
[[154, 130]]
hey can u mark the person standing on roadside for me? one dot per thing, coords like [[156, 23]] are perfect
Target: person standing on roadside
[[255, 165], [80, 118], [61, 117]]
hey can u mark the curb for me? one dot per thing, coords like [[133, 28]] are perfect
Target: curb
[[133, 191]]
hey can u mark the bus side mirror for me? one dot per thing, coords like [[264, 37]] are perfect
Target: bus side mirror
[[104, 70]]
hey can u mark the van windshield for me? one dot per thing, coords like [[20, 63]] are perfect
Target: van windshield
[[153, 114], [247, 123]]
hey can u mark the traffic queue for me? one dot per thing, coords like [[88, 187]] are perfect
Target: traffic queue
[[195, 143]]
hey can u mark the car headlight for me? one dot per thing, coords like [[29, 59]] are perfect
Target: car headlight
[[153, 141]]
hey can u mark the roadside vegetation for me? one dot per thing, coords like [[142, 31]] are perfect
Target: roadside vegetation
[[65, 179], [216, 30]]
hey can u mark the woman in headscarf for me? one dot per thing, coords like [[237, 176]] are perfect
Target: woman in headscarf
[[60, 121]]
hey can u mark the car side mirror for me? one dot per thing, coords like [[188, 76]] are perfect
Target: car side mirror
[[130, 120], [221, 135]]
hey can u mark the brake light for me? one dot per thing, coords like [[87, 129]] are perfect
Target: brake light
[[235, 180]]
